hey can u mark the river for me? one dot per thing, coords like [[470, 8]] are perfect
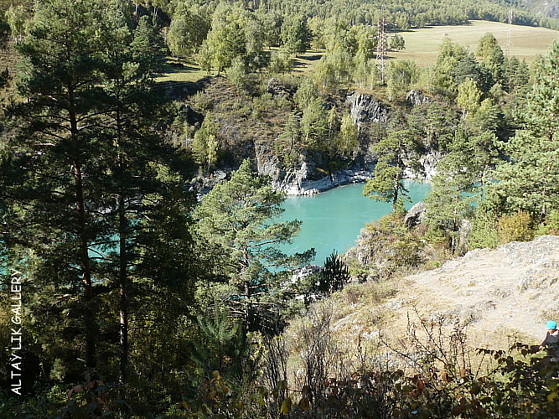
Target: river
[[333, 219]]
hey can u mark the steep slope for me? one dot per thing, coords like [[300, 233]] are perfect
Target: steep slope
[[498, 296]]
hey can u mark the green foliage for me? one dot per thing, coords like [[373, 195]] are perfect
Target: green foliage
[[528, 182], [400, 76], [222, 346], [314, 125], [334, 275], [348, 137], [491, 56], [469, 96], [550, 224], [234, 226], [289, 145], [334, 70], [295, 34], [237, 74], [16, 17], [397, 42], [386, 247], [306, 93], [484, 230], [387, 184], [205, 145], [98, 232], [188, 29], [280, 62], [233, 33]]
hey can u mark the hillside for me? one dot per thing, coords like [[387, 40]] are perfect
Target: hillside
[[496, 296]]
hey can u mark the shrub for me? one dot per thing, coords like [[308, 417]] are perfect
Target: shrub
[[515, 227]]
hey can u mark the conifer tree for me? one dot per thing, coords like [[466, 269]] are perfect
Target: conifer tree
[[86, 183], [530, 180], [50, 166], [235, 224], [392, 151]]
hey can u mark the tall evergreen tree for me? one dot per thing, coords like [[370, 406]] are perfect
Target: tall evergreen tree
[[88, 187], [49, 169], [530, 180], [387, 182], [235, 222]]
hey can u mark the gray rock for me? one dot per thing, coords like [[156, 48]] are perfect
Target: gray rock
[[365, 108], [416, 97], [415, 215], [276, 88]]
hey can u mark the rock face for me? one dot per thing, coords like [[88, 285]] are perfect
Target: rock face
[[416, 97], [365, 108]]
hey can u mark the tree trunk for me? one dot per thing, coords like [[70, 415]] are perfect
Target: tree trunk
[[85, 265], [123, 259], [90, 324]]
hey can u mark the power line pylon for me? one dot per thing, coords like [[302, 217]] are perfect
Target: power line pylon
[[381, 45]]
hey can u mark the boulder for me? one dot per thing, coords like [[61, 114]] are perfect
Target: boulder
[[277, 88], [365, 108], [415, 214], [416, 97]]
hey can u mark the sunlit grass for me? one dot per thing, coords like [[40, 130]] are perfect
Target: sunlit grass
[[180, 70], [422, 45]]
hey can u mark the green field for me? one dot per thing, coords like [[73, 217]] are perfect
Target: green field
[[526, 42], [422, 46]]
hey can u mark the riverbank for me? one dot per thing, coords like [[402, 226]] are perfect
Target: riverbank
[[341, 178]]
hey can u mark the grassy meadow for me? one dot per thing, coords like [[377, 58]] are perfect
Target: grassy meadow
[[526, 42], [422, 46]]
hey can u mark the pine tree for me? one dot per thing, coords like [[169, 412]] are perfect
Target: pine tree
[[529, 181], [235, 223], [49, 169], [386, 184], [89, 189], [334, 275]]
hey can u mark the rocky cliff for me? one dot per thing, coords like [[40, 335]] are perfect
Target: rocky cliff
[[251, 130]]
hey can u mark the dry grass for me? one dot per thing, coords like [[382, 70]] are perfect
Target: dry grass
[[422, 45]]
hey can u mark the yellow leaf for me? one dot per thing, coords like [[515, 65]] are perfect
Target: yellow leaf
[[552, 396], [286, 406]]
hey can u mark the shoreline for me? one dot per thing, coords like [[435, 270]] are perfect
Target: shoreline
[[341, 178]]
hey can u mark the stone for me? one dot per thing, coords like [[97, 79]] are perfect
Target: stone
[[276, 88], [365, 108], [415, 215], [416, 97]]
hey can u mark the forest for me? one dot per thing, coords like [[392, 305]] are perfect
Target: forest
[[134, 284]]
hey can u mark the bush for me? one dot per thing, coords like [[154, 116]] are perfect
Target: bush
[[386, 247], [515, 227]]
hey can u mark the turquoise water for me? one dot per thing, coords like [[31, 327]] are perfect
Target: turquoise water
[[332, 220]]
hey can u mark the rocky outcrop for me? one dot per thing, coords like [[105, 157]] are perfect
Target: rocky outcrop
[[277, 88], [426, 167], [415, 215], [416, 97], [365, 108], [295, 181], [513, 289]]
